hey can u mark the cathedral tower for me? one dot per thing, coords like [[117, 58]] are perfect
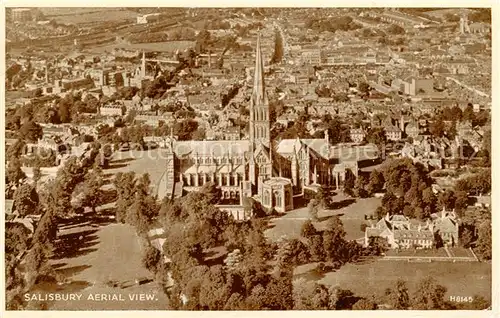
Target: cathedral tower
[[259, 104]]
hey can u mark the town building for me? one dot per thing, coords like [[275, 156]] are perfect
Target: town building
[[403, 233], [148, 18], [393, 133], [357, 135], [111, 110]]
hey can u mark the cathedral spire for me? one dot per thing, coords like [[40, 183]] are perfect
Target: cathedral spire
[[259, 92]]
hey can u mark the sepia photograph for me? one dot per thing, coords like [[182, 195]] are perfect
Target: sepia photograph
[[248, 158]]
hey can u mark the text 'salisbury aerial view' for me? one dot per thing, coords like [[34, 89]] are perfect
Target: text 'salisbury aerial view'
[[248, 158]]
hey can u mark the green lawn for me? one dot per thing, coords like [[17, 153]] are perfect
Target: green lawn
[[423, 252], [98, 255], [88, 15], [461, 279], [352, 217], [460, 252]]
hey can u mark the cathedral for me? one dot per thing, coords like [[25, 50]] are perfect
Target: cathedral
[[271, 172]]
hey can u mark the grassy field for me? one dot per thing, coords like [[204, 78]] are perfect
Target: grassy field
[[94, 255], [352, 216], [461, 279], [88, 15], [411, 252], [460, 252]]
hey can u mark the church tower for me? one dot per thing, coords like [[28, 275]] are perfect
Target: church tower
[[259, 104], [260, 137]]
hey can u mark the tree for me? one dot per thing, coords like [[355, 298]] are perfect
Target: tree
[[26, 200], [151, 258], [37, 174], [364, 88], [142, 211], [235, 302], [14, 172], [278, 48], [429, 295], [376, 182], [466, 235], [303, 292], [291, 253], [30, 131], [316, 248], [16, 149], [125, 186], [447, 199], [16, 238], [214, 291], [211, 192], [35, 261], [308, 229], [429, 200], [91, 192], [461, 200], [279, 291], [340, 299], [360, 187], [199, 134], [46, 230], [184, 129], [437, 128], [376, 135], [349, 181], [398, 297], [377, 245], [483, 244], [364, 304], [333, 239], [396, 29]]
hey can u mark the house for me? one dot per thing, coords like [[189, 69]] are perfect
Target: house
[[111, 110], [311, 56], [479, 27], [357, 135], [232, 133], [393, 133], [413, 86], [401, 233], [445, 225]]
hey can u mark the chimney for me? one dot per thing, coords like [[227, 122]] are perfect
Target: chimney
[[327, 138]]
